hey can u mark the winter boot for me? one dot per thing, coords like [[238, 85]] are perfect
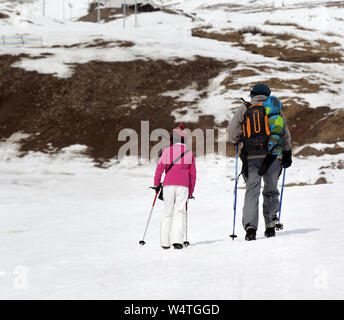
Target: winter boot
[[177, 246], [250, 234], [165, 248], [269, 232]]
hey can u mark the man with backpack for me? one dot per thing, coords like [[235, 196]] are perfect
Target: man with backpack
[[261, 127]]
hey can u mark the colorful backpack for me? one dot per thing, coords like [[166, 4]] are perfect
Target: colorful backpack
[[273, 109], [263, 127]]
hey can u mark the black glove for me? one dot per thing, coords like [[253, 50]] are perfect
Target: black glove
[[244, 168], [191, 197], [269, 159], [286, 159], [157, 188]]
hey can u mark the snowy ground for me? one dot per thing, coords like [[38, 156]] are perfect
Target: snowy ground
[[70, 231]]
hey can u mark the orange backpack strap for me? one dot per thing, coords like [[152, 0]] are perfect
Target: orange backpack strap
[[255, 105]]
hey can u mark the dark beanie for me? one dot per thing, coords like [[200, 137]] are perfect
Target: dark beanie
[[260, 89]]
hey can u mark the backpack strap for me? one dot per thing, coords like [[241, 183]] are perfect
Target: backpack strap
[[250, 105], [176, 160], [246, 103], [255, 105]]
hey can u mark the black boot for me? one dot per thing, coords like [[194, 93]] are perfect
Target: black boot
[[177, 246], [269, 232], [165, 247], [250, 234]]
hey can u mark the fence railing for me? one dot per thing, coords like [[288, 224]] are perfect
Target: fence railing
[[21, 40]]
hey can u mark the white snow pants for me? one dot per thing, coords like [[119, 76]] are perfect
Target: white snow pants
[[172, 227]]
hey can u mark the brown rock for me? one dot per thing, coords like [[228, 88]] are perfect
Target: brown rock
[[321, 180]]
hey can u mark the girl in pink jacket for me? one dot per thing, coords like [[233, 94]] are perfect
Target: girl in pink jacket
[[179, 184]]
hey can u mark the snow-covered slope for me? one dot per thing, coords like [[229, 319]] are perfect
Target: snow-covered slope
[[310, 24], [59, 10], [71, 231]]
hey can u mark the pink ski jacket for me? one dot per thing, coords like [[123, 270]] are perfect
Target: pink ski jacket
[[183, 173]]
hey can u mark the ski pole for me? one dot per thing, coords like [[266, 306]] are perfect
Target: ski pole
[[186, 242], [233, 236], [142, 242], [279, 225]]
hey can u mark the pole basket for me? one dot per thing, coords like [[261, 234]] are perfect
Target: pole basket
[[186, 243], [142, 243], [279, 226], [233, 236]]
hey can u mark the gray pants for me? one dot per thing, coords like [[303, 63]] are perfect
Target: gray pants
[[270, 194]]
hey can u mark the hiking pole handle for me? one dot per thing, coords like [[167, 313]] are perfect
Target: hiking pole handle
[[156, 188], [156, 195]]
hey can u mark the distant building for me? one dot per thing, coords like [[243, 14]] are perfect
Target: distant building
[[119, 3], [143, 6]]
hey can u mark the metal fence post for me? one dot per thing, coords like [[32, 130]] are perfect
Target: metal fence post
[[98, 10], [124, 12]]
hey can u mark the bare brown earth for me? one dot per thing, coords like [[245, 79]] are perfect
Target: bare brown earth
[[311, 125], [98, 43], [276, 45], [300, 85], [334, 165], [95, 104], [3, 16], [310, 151], [102, 98], [290, 24]]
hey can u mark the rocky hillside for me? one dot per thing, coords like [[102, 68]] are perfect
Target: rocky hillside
[[189, 62]]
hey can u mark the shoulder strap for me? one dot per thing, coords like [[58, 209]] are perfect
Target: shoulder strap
[[176, 160], [246, 103], [255, 105], [250, 105]]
